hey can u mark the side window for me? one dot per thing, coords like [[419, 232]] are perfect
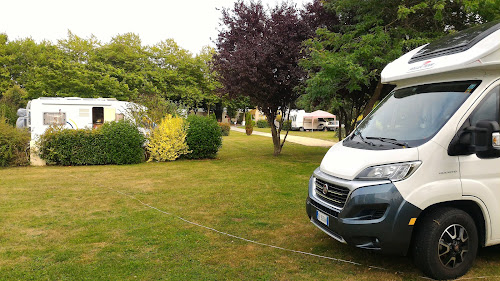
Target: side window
[[54, 118], [488, 109]]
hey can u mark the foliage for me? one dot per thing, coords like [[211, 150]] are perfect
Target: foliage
[[287, 125], [225, 128], [10, 101], [262, 124], [112, 143], [168, 140], [14, 144], [204, 137], [150, 110], [249, 123], [122, 68], [123, 142], [347, 55], [258, 54]]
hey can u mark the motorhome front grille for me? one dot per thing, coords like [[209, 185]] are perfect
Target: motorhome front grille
[[324, 209], [333, 194]]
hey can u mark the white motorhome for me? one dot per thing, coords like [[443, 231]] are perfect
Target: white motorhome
[[421, 172], [71, 112]]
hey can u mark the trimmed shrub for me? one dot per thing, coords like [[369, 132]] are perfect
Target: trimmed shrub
[[123, 142], [168, 140], [204, 137], [14, 145], [225, 128], [112, 143], [249, 123], [262, 124]]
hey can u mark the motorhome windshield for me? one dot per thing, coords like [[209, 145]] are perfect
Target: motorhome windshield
[[411, 116]]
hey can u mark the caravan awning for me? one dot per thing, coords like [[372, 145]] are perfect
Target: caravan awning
[[318, 114]]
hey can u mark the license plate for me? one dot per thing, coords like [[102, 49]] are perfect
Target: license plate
[[322, 217]]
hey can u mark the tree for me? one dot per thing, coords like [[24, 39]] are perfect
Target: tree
[[345, 59], [258, 51], [10, 101]]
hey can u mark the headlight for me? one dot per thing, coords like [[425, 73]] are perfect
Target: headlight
[[393, 172]]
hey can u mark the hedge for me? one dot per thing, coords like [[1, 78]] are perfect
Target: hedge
[[14, 145], [112, 143]]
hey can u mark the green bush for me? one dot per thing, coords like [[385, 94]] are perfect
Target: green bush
[[287, 125], [204, 137], [113, 143], [225, 128], [262, 124], [14, 145], [123, 143]]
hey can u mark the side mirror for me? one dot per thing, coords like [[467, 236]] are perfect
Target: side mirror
[[482, 139]]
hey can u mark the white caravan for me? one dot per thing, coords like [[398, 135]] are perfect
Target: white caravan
[[73, 113], [421, 173]]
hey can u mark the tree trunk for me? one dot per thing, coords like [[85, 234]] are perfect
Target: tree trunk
[[276, 136], [373, 99], [339, 129]]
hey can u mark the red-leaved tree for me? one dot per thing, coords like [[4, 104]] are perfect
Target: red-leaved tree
[[258, 50]]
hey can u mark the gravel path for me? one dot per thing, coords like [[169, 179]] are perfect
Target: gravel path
[[295, 139]]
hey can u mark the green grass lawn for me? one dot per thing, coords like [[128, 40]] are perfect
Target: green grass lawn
[[70, 223], [324, 135]]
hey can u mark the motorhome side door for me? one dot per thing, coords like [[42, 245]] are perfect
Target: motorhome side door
[[101, 114], [481, 177]]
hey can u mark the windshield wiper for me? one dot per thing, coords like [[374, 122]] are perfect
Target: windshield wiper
[[389, 140], [358, 133]]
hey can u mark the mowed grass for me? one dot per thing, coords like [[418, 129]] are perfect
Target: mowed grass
[[323, 135], [74, 223]]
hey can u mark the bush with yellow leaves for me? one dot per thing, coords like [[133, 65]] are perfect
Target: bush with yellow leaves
[[168, 140]]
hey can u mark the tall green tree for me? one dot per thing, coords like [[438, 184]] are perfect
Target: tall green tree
[[346, 59], [123, 68]]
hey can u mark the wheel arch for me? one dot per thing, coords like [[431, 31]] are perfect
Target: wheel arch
[[471, 207]]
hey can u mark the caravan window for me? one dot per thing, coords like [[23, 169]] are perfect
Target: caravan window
[[54, 118]]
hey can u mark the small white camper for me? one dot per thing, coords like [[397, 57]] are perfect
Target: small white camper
[[71, 112]]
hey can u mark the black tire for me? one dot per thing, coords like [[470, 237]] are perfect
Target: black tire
[[445, 244], [301, 129]]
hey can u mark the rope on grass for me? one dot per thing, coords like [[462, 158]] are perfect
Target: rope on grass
[[277, 247], [241, 238]]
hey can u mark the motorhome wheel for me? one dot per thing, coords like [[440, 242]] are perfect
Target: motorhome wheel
[[445, 244]]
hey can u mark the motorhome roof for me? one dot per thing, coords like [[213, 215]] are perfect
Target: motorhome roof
[[77, 98], [477, 47], [455, 43]]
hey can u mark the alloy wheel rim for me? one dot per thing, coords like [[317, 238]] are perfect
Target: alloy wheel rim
[[453, 246]]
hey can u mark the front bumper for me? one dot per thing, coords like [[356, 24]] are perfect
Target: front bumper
[[374, 217]]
